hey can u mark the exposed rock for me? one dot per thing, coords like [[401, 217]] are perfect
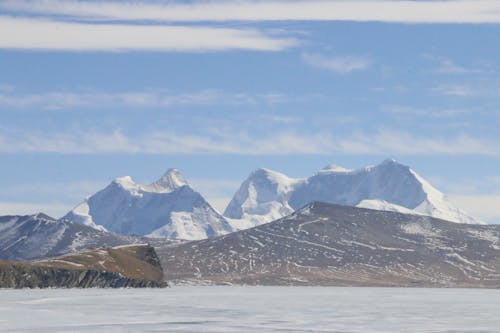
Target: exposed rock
[[122, 267]]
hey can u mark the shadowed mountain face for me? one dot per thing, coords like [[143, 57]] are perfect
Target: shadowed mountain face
[[126, 266], [326, 244]]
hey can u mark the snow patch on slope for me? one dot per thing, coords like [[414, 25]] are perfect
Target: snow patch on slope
[[385, 206], [81, 214], [437, 205]]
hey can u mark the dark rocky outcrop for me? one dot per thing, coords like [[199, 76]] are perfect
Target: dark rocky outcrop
[[123, 267]]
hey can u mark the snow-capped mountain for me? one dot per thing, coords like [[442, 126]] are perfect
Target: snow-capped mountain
[[391, 186], [41, 236], [263, 197], [168, 208]]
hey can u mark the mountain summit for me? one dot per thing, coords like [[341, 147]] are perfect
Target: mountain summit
[[168, 207], [267, 195]]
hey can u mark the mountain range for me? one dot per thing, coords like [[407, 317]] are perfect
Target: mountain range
[[171, 208], [382, 225]]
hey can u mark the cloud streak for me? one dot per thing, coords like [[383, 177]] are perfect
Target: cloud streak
[[58, 100], [337, 64], [42, 34], [409, 111], [242, 143], [451, 11]]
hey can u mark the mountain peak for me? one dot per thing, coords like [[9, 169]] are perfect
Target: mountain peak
[[263, 171], [168, 208], [390, 161], [170, 181], [332, 168], [126, 182], [43, 216]]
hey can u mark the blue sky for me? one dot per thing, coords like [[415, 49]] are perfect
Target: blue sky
[[93, 91]]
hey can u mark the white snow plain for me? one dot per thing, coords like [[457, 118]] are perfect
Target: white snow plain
[[250, 309]]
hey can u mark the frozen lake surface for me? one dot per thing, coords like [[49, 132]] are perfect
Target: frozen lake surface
[[250, 309]]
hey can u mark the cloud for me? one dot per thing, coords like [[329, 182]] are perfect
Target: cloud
[[410, 111], [458, 90], [6, 87], [448, 66], [41, 34], [338, 64], [140, 99], [385, 142], [451, 11], [485, 207]]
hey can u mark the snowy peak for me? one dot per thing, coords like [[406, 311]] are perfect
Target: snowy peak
[[262, 196], [269, 177], [390, 185], [332, 168], [169, 182], [167, 208]]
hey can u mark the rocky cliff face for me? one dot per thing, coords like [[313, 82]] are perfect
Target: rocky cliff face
[[20, 275], [122, 267]]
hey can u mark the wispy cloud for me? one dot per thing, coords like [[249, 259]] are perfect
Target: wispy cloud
[[385, 142], [458, 90], [410, 111], [58, 100], [448, 66], [451, 11], [41, 34], [338, 64], [6, 87]]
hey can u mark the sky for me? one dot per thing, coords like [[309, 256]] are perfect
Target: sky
[[91, 91]]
